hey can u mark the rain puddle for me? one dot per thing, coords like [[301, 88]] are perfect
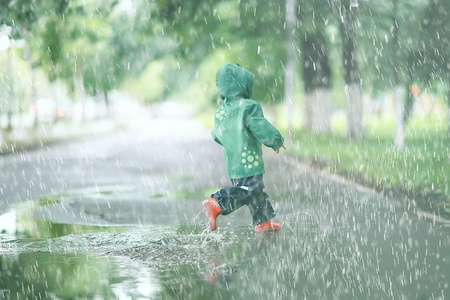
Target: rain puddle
[[132, 244], [44, 275], [104, 245]]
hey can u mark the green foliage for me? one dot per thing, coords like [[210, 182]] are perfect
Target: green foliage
[[19, 14], [154, 73], [387, 36], [251, 30], [199, 86], [262, 33], [431, 57], [104, 46]]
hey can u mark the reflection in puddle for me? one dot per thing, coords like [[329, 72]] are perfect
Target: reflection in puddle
[[8, 223], [37, 275]]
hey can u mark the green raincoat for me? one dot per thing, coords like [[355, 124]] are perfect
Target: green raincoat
[[239, 124]]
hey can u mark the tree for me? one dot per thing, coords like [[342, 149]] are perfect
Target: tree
[[399, 137], [259, 28], [346, 13], [20, 17], [290, 62], [433, 55], [317, 81], [314, 18], [404, 42], [388, 38], [249, 32], [96, 45]]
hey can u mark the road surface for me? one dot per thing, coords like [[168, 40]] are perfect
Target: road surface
[[119, 216]]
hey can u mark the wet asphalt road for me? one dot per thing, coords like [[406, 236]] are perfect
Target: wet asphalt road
[[129, 202]]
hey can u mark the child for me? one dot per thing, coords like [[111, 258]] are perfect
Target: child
[[240, 127]]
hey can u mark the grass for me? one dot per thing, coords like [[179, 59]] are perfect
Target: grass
[[422, 166]]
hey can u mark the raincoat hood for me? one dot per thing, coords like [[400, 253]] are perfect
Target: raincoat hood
[[234, 82]]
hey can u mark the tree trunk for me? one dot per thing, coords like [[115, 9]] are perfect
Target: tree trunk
[[318, 110], [448, 112], [399, 138], [33, 91], [10, 97], [399, 116], [79, 93], [34, 96], [105, 94], [289, 93], [355, 109], [409, 103], [289, 72], [317, 82], [107, 104], [352, 76]]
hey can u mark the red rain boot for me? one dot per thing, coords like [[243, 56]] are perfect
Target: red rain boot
[[212, 210], [268, 226]]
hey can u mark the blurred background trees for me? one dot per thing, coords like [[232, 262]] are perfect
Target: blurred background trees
[[350, 58]]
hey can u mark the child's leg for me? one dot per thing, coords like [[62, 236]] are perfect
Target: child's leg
[[246, 191], [260, 207], [238, 195], [231, 198]]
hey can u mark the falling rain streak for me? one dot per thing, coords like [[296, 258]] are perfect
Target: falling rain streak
[[106, 153]]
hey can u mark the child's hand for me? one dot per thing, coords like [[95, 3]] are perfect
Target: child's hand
[[278, 151]]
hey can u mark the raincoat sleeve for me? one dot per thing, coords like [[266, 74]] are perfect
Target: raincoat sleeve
[[265, 132], [215, 138]]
